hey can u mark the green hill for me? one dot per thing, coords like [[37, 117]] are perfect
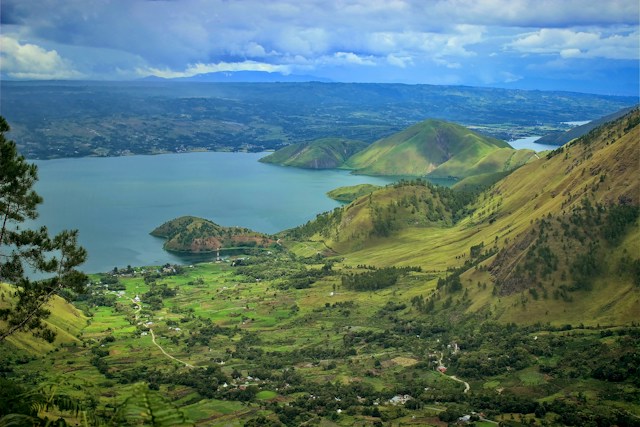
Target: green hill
[[65, 320], [197, 235], [561, 138], [350, 193], [437, 149], [555, 239], [325, 153], [382, 213]]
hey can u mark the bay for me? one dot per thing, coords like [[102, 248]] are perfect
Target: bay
[[530, 143], [115, 202]]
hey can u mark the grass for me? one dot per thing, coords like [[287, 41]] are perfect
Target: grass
[[531, 376], [65, 320], [224, 298], [266, 395]]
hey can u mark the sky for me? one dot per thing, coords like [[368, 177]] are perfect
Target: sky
[[577, 45]]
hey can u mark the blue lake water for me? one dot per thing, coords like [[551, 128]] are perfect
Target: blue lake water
[[115, 202], [529, 142]]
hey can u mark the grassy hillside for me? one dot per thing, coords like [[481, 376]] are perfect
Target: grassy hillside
[[438, 149], [496, 161], [480, 181], [383, 213], [192, 234], [349, 194], [65, 320], [543, 233], [325, 153]]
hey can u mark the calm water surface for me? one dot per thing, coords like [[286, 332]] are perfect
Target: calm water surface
[[115, 202], [530, 143]]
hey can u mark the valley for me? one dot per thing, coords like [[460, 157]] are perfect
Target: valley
[[336, 213], [413, 304]]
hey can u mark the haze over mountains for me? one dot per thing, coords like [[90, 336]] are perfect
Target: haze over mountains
[[242, 77], [76, 119]]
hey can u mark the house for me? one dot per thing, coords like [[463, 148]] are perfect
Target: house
[[400, 399], [442, 368]]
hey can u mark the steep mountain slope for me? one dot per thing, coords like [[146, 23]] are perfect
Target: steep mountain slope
[[192, 234], [438, 149], [557, 238], [65, 320], [326, 153], [382, 213], [562, 138]]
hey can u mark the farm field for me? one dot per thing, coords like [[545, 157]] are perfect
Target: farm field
[[232, 348]]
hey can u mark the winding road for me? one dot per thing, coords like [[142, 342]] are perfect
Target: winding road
[[467, 387], [466, 384], [153, 337]]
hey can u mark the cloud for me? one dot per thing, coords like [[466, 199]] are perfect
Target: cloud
[[399, 61], [404, 40], [352, 58], [543, 13], [200, 68], [29, 61], [579, 44]]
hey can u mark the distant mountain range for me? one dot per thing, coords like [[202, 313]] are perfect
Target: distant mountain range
[[242, 77]]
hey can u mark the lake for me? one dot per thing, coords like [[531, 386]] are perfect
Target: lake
[[115, 202], [530, 143]]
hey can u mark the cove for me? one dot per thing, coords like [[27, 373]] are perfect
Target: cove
[[115, 202]]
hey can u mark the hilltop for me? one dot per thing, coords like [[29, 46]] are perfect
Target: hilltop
[[350, 193], [325, 153], [437, 149], [197, 235]]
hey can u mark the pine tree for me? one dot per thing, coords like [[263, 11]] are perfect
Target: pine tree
[[25, 252]]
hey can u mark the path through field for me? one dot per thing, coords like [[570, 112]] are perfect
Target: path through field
[[153, 337], [453, 377]]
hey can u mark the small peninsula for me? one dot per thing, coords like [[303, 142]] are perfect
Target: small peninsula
[[198, 235]]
